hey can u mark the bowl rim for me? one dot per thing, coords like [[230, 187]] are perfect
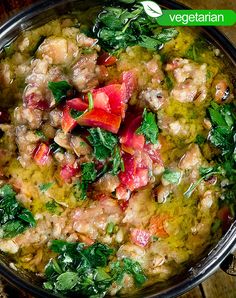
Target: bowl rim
[[226, 244]]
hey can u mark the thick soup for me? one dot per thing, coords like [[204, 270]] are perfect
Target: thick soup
[[117, 151]]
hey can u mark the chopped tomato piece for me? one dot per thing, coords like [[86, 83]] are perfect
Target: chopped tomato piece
[[130, 80], [100, 118], [67, 123], [154, 153], [106, 59], [101, 101], [77, 104], [41, 155], [129, 139], [134, 176], [68, 171], [140, 237], [117, 95], [156, 226]]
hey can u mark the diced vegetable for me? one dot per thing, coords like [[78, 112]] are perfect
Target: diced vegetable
[[156, 226], [129, 139], [101, 101], [117, 97], [68, 122], [134, 175], [41, 155], [100, 118], [77, 104]]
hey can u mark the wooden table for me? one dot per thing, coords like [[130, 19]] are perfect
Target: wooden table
[[219, 285]]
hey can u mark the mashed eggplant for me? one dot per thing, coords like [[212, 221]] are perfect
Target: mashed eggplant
[[117, 159]]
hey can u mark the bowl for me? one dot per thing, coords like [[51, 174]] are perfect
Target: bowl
[[208, 263]]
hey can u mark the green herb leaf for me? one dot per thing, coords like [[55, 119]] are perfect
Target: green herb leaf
[[14, 218], [89, 174], [59, 90], [66, 281], [117, 28], [149, 127], [45, 186], [86, 271], [117, 161], [78, 269], [103, 142], [172, 176]]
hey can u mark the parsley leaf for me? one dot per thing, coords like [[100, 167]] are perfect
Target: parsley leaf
[[172, 176], [14, 218], [222, 134], [116, 28], [149, 127], [87, 271], [59, 90], [130, 267], [103, 142], [78, 269], [89, 174]]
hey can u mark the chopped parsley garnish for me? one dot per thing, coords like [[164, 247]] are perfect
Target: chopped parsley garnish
[[222, 136], [117, 28], [149, 127], [103, 142], [172, 176], [14, 218], [45, 186], [59, 90], [87, 271], [89, 174]]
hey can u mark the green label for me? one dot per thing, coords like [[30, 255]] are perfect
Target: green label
[[197, 18]]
